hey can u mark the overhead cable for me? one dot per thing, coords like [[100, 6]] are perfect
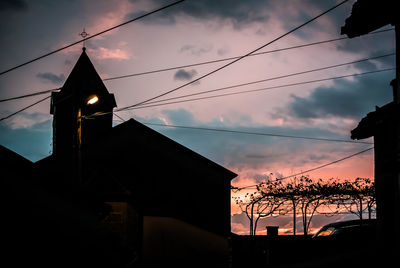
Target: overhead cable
[[214, 96], [252, 90], [31, 95], [254, 133], [91, 36], [305, 171], [238, 59], [228, 87], [273, 78], [23, 109]]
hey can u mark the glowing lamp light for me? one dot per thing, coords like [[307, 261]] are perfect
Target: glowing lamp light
[[92, 100]]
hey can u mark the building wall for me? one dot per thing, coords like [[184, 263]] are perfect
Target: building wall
[[124, 222], [168, 241], [387, 181]]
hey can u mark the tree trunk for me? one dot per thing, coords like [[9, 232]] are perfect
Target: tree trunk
[[361, 211], [294, 217], [252, 219], [305, 220], [369, 212], [255, 225]]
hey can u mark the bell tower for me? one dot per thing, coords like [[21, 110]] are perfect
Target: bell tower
[[81, 111]]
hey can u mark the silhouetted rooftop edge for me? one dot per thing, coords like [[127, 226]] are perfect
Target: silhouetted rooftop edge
[[369, 15]]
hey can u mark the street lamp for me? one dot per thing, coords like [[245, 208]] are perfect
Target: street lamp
[[92, 100]]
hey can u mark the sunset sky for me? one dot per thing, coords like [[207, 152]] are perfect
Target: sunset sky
[[197, 31]]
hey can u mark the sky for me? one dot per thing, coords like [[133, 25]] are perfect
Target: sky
[[195, 32]]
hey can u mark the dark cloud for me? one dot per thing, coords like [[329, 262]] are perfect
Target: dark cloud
[[183, 75], [297, 12], [379, 63], [345, 99], [365, 66], [237, 11], [196, 50], [155, 19], [318, 157], [16, 5], [384, 42], [259, 178], [257, 156], [180, 117], [52, 78], [336, 16], [243, 13], [222, 51]]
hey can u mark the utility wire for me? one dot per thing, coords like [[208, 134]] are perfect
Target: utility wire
[[272, 78], [123, 120], [232, 58], [209, 97], [214, 61], [91, 36], [306, 171], [214, 96], [218, 89], [31, 95], [241, 92], [23, 109], [254, 133], [238, 59], [253, 90]]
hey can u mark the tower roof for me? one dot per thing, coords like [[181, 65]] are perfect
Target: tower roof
[[82, 82]]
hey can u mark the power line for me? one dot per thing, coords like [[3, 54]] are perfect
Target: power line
[[242, 92], [91, 36], [31, 95], [306, 171], [123, 120], [328, 164], [238, 59], [172, 68], [209, 97], [214, 96], [253, 133], [252, 90], [218, 89], [273, 78], [23, 109]]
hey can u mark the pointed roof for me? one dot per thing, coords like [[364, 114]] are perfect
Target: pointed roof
[[84, 81], [374, 121], [133, 142], [84, 77], [12, 161]]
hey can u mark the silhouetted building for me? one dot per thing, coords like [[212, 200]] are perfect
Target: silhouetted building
[[159, 200], [382, 124], [82, 85], [370, 15]]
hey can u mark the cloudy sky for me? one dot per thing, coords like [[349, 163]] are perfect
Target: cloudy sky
[[198, 31]]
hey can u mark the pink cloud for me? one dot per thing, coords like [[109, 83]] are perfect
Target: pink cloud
[[109, 15], [105, 53]]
